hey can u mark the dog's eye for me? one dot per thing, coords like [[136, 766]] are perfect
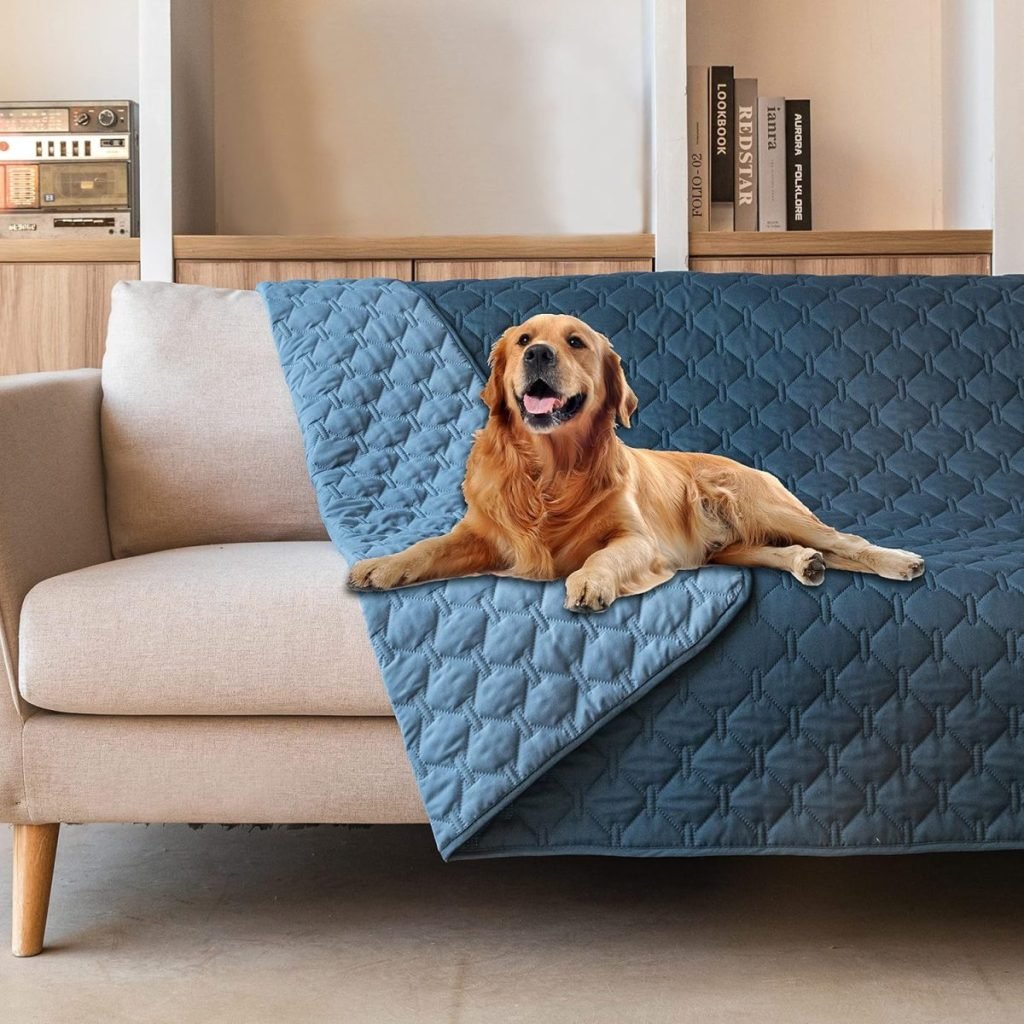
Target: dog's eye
[[576, 342], [524, 339]]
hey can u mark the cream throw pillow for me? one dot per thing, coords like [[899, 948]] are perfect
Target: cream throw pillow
[[200, 441]]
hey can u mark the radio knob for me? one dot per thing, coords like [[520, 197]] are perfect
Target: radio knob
[[107, 118], [82, 118]]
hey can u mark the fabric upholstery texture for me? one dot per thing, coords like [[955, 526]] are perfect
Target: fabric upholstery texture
[[236, 629], [862, 716], [217, 769], [199, 441], [51, 519]]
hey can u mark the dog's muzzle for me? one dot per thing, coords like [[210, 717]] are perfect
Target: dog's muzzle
[[543, 403], [541, 396]]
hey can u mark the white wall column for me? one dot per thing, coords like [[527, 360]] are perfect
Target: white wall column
[[967, 124], [665, 55], [1008, 113], [156, 245]]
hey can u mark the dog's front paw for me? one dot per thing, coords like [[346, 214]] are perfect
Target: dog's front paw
[[587, 592], [377, 574]]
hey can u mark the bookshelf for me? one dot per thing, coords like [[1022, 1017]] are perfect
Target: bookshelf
[[896, 143], [895, 186], [230, 90]]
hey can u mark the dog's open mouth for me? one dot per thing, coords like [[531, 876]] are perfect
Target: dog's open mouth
[[543, 406]]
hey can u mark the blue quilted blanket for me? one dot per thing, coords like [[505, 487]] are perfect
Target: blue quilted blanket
[[859, 716]]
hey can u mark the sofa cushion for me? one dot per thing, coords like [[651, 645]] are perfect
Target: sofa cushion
[[200, 443], [235, 629]]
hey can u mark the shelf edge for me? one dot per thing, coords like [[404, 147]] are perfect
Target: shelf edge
[[439, 247], [69, 250], [503, 247], [840, 243]]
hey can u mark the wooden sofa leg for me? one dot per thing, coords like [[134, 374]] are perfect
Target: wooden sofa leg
[[35, 849]]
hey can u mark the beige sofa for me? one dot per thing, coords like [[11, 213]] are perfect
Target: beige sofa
[[176, 632]]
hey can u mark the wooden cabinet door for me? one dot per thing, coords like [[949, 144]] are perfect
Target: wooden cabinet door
[[53, 316], [246, 274], [452, 270], [969, 264]]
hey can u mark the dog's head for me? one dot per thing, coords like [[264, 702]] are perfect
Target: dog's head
[[554, 371]]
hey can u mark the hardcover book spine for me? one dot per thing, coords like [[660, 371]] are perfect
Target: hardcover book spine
[[771, 164], [746, 154], [723, 147], [798, 165], [698, 184]]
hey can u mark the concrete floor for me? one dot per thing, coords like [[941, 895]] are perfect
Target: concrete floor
[[330, 924]]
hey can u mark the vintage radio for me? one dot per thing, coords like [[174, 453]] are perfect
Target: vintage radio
[[68, 170]]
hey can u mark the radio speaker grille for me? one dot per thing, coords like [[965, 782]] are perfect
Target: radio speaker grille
[[21, 189]]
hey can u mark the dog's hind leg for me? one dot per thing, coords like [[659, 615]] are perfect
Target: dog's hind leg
[[806, 564], [890, 563], [785, 518]]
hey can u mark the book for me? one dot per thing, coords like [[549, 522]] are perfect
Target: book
[[723, 146], [745, 204], [771, 164], [699, 153], [798, 165]]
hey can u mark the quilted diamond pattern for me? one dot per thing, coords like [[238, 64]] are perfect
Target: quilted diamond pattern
[[860, 716], [491, 679]]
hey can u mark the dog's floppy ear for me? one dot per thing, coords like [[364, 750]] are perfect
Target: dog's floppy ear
[[493, 393], [620, 397]]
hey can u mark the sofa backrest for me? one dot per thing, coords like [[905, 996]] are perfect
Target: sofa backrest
[[200, 441], [894, 400]]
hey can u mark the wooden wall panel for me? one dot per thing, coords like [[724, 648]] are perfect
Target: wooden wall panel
[[969, 264], [246, 274], [450, 270], [53, 316]]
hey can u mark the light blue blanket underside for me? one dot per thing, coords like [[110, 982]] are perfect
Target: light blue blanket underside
[[492, 681]]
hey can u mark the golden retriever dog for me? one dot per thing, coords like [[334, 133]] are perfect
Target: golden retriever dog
[[551, 492]]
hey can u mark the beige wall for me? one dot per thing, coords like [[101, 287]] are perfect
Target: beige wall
[[410, 116], [872, 69], [192, 117], [69, 49]]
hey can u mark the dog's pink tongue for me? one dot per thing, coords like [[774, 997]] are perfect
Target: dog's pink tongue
[[540, 406]]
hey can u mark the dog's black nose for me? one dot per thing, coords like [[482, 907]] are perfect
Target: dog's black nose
[[537, 357]]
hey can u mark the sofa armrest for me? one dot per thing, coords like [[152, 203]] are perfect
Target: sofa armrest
[[52, 513]]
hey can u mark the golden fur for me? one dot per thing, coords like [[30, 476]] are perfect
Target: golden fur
[[558, 495]]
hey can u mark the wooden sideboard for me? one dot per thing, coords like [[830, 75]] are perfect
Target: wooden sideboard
[[843, 252], [55, 299], [55, 296], [978, 263], [242, 261], [246, 274]]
